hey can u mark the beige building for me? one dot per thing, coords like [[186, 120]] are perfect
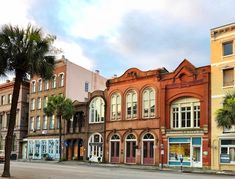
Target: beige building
[[20, 131], [222, 83], [69, 80]]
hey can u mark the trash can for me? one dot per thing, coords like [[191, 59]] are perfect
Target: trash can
[[13, 157]]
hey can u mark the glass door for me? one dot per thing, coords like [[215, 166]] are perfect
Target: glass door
[[197, 159]]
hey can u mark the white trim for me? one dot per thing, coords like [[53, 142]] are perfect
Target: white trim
[[142, 147], [222, 63], [218, 96]]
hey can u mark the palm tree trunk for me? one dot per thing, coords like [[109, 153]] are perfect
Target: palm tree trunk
[[11, 125], [60, 134]]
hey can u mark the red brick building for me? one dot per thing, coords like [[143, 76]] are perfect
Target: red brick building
[[156, 116]]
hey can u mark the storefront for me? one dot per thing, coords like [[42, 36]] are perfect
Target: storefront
[[188, 149], [227, 151], [95, 148], [39, 148]]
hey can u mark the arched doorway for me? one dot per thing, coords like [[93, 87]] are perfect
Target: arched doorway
[[95, 148], [148, 149], [131, 148], [114, 148]]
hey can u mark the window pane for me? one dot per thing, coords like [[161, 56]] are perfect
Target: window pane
[[228, 48], [228, 77]]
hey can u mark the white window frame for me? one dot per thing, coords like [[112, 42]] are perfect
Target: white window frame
[[116, 106], [38, 123], [32, 104], [53, 82], [40, 84], [39, 103], [44, 122], [31, 123], [45, 100], [33, 86], [150, 102], [96, 108], [185, 102], [61, 76], [131, 103], [228, 147], [46, 85]]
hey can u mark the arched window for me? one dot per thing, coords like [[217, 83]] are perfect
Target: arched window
[[53, 82], [148, 136], [33, 86], [131, 104], [96, 110], [61, 79], [116, 106], [115, 137], [40, 85], [185, 113], [148, 103]]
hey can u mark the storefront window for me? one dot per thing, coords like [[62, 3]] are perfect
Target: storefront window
[[179, 150], [227, 154]]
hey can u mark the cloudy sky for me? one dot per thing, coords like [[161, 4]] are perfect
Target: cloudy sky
[[114, 35]]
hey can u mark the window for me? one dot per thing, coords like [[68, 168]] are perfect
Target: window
[[45, 100], [52, 122], [39, 103], [96, 111], [86, 87], [31, 123], [46, 85], [185, 113], [2, 100], [8, 120], [14, 143], [227, 48], [1, 121], [228, 77], [9, 98], [116, 106], [33, 86], [131, 104], [148, 103], [38, 124], [232, 129], [44, 122], [40, 85], [32, 104], [61, 79], [227, 151], [53, 83]]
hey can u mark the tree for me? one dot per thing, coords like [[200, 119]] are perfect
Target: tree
[[23, 52], [63, 108], [225, 117]]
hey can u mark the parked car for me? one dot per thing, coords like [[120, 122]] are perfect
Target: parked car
[[2, 155]]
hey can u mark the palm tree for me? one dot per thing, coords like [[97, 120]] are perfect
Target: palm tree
[[63, 108], [225, 116], [23, 52]]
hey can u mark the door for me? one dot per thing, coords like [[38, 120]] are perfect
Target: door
[[130, 151], [114, 151], [197, 159], [148, 151], [24, 150]]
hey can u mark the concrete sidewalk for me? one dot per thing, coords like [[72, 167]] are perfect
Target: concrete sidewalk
[[139, 167]]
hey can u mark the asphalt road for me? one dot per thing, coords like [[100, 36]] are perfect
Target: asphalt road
[[26, 170]]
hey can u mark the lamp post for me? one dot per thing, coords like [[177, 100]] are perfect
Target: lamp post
[[162, 154]]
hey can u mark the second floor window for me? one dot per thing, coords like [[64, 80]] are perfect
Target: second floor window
[[38, 123], [45, 100], [61, 79], [96, 110], [9, 98], [228, 77], [46, 85], [228, 48], [32, 104], [148, 103], [39, 85], [52, 122], [115, 106], [44, 122], [131, 104], [33, 86], [31, 125], [53, 83], [39, 101], [185, 113]]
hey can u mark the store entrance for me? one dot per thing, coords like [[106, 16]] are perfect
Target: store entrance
[[196, 158]]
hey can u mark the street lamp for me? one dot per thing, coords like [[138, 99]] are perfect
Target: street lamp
[[162, 153]]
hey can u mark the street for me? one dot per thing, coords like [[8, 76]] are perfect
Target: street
[[27, 170]]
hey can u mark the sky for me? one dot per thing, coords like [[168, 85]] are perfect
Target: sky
[[114, 35]]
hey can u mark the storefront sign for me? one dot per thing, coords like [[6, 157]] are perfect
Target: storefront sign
[[224, 158]]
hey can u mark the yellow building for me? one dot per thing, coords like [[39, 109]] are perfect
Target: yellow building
[[222, 83]]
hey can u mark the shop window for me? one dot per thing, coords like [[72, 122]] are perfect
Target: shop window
[[228, 77], [116, 106], [227, 151], [227, 48], [148, 103], [185, 113], [96, 112], [131, 105]]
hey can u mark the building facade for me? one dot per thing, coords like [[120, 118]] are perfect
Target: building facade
[[69, 80], [222, 83], [20, 131], [185, 116], [133, 118]]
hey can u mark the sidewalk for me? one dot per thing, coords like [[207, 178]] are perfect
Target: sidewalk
[[139, 167]]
